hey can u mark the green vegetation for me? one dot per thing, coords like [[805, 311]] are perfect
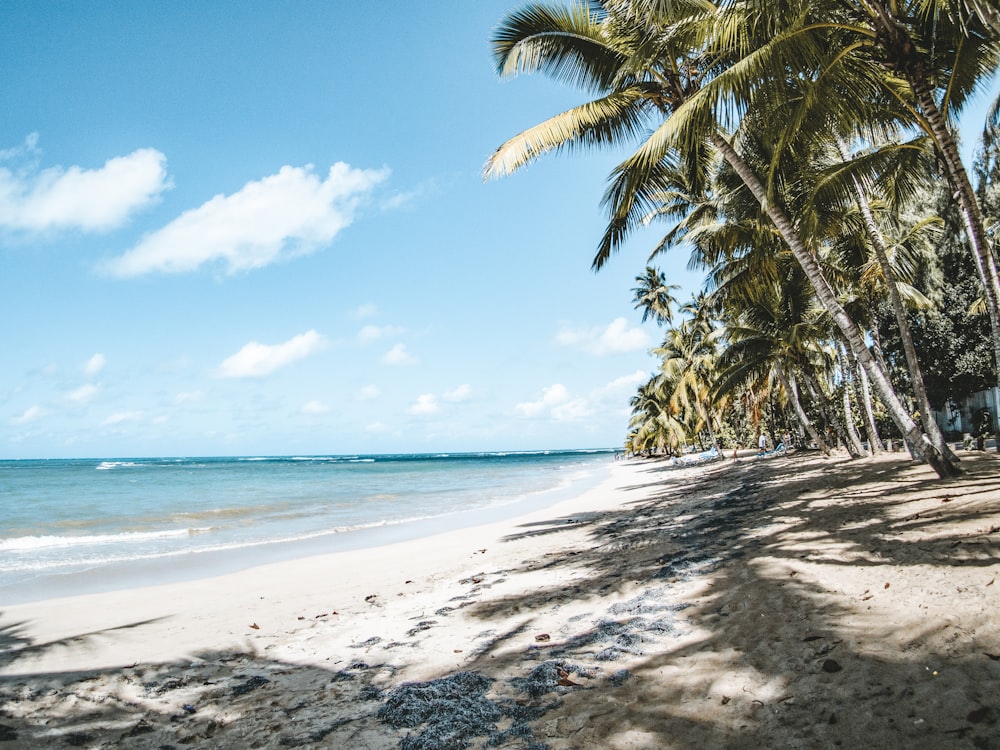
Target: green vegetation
[[805, 152]]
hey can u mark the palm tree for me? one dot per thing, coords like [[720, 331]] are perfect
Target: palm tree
[[772, 333], [919, 59], [653, 296], [689, 355], [642, 68], [654, 426]]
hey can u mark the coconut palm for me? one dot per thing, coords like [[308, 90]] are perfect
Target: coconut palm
[[921, 60], [654, 426], [642, 68], [689, 355], [653, 296]]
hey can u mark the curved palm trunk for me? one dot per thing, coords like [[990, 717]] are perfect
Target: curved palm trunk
[[788, 383], [898, 47], [874, 441], [833, 416], [973, 217], [707, 416], [828, 298], [852, 428], [898, 309]]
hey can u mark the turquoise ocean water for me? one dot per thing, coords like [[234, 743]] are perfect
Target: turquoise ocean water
[[80, 525]]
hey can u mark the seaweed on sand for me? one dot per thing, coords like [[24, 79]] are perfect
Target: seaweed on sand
[[448, 713], [452, 710]]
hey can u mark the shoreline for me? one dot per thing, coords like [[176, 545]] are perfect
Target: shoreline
[[794, 602], [184, 566], [372, 565]]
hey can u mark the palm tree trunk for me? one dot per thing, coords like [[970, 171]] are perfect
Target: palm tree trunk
[[788, 383], [708, 424], [905, 333], [848, 380], [828, 298], [958, 178], [897, 46], [874, 441]]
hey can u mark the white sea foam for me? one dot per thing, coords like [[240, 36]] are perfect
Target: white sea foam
[[37, 543], [108, 465]]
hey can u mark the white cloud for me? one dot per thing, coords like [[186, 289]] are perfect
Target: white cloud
[[77, 198], [615, 338], [425, 404], [551, 396], [94, 365], [369, 393], [366, 310], [458, 394], [122, 416], [315, 407], [368, 334], [377, 427], [285, 214], [29, 147], [28, 415], [627, 383], [578, 408], [398, 356], [188, 396], [563, 407], [257, 360], [408, 198], [83, 394]]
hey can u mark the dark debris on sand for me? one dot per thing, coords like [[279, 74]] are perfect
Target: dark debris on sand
[[450, 712]]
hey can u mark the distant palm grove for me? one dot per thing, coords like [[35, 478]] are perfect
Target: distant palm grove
[[805, 153]]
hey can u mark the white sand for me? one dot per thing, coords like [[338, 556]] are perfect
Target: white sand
[[789, 602]]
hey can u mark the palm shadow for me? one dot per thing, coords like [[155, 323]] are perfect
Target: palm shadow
[[672, 652]]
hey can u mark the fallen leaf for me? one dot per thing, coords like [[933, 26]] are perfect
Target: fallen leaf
[[457, 651], [979, 715], [725, 699], [886, 585], [542, 637], [255, 626], [946, 499], [566, 682], [866, 598], [831, 666]]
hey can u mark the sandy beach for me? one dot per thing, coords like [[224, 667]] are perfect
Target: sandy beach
[[793, 602]]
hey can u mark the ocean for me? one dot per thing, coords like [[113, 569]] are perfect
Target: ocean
[[72, 526]]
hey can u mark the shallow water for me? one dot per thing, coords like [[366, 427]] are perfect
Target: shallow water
[[86, 524]]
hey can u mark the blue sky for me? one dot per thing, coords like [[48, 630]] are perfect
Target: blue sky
[[261, 228]]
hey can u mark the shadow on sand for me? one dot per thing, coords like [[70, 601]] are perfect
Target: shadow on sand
[[715, 627]]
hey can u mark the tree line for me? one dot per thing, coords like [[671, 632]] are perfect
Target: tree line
[[806, 152]]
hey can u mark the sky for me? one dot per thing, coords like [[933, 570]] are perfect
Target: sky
[[261, 228]]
